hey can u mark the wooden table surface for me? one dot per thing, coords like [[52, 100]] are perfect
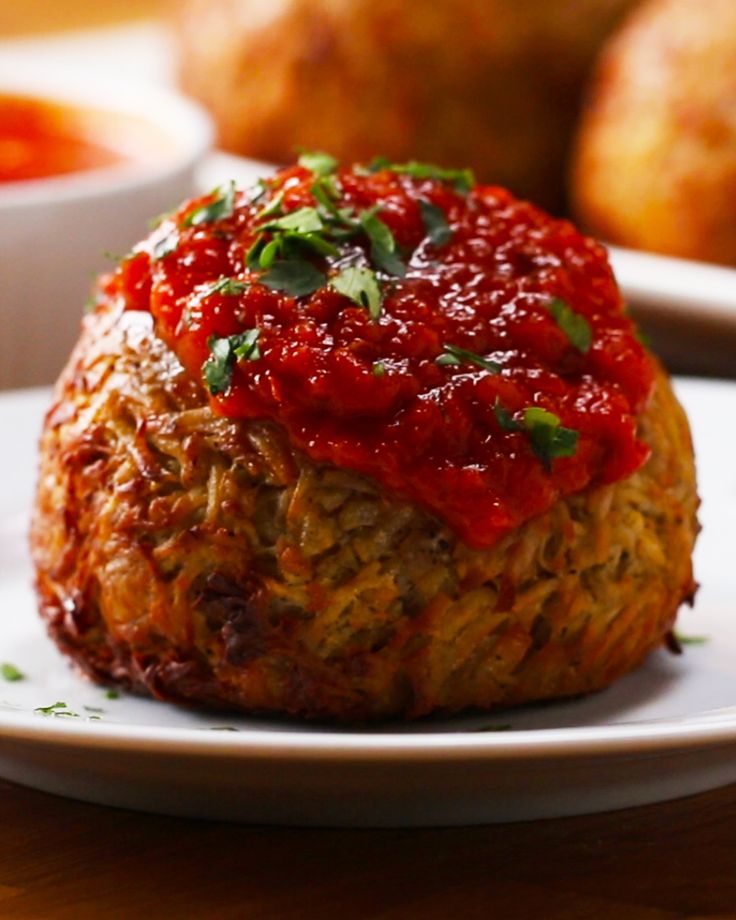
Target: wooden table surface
[[64, 859]]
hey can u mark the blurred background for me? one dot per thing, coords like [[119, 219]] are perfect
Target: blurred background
[[619, 113], [43, 16]]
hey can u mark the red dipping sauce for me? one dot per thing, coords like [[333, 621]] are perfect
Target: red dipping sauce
[[40, 138], [501, 309]]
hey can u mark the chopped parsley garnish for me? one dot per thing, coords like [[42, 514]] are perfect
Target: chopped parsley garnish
[[247, 347], [10, 672], [376, 165], [690, 640], [165, 246], [453, 354], [379, 369], [326, 193], [273, 206], [219, 208], [463, 180], [217, 370], [230, 287], [293, 276], [321, 164], [290, 234], [97, 709], [548, 438], [256, 192], [505, 419], [435, 223], [383, 245], [304, 220], [59, 708], [575, 326], [112, 693], [361, 286]]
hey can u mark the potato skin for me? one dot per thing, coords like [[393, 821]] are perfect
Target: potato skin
[[655, 166], [491, 84], [200, 559]]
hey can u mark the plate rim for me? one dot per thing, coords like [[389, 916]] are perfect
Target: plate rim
[[656, 736]]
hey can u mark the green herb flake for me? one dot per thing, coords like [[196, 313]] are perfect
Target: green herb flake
[[462, 180], [383, 245], [165, 246], [321, 164], [254, 253], [229, 287], [548, 438], [378, 163], [10, 673], [219, 208], [246, 349], [325, 193], [97, 709], [690, 640], [304, 220], [453, 355], [435, 223], [269, 252], [254, 194], [576, 327], [273, 207], [223, 728], [217, 370], [293, 276], [379, 369], [59, 708], [505, 419], [112, 693], [314, 241], [291, 233], [361, 286]]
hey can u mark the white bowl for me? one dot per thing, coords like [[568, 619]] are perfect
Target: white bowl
[[54, 232]]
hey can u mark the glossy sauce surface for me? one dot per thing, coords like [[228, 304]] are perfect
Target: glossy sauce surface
[[40, 139], [367, 392]]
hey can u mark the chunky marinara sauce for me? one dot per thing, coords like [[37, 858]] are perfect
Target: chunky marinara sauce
[[500, 309], [39, 139]]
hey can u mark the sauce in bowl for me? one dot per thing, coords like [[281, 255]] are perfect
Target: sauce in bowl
[[41, 139]]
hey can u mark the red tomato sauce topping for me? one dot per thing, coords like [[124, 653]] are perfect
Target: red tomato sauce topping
[[39, 139], [501, 309]]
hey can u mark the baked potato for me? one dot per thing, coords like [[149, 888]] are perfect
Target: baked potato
[[221, 542], [493, 84], [655, 166]]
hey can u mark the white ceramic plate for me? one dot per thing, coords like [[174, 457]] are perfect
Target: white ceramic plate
[[666, 731]]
